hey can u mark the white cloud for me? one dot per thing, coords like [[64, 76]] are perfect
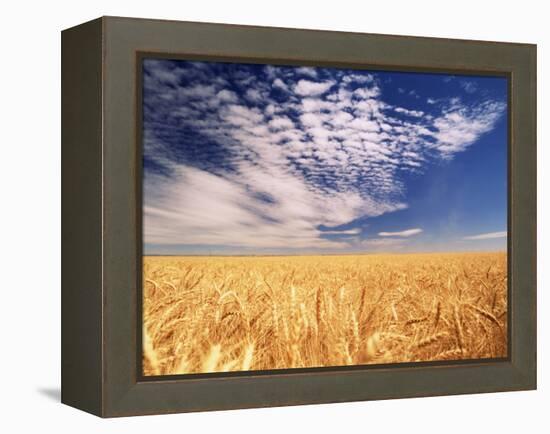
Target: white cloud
[[254, 95], [405, 233], [197, 207], [487, 236], [462, 126], [227, 96], [364, 124], [280, 84], [468, 86], [342, 232], [306, 70], [414, 113], [358, 78], [198, 91], [366, 93], [316, 105], [281, 122], [312, 88], [241, 115], [341, 118], [312, 120]]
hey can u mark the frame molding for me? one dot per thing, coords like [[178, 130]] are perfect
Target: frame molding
[[101, 192]]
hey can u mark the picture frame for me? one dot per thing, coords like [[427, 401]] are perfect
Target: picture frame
[[101, 216]]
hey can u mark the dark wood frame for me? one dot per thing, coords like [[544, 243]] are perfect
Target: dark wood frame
[[101, 230], [140, 56]]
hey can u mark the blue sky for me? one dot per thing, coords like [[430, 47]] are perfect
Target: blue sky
[[252, 159]]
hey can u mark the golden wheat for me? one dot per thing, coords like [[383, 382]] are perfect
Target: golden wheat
[[216, 314]]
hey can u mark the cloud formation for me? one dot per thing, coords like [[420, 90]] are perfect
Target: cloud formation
[[468, 86], [405, 233], [487, 236], [263, 156], [312, 88], [460, 127]]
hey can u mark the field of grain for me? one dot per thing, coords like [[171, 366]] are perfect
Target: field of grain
[[214, 314]]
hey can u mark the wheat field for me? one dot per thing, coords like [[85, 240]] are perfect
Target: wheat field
[[217, 314]]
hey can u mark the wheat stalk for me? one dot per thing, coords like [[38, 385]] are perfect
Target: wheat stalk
[[430, 339]]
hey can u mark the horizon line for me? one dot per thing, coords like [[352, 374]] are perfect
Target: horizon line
[[331, 254]]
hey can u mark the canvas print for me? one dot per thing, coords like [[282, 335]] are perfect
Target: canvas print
[[311, 216]]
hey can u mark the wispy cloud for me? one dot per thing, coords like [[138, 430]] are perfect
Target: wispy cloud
[[487, 236], [356, 231], [468, 86], [263, 156], [460, 126], [414, 113], [198, 207], [405, 233], [308, 71]]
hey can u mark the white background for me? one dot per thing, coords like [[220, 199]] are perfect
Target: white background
[[30, 214]]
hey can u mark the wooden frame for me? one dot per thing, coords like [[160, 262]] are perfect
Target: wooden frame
[[101, 231]]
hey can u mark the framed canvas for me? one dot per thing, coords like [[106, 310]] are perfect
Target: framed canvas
[[259, 216]]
